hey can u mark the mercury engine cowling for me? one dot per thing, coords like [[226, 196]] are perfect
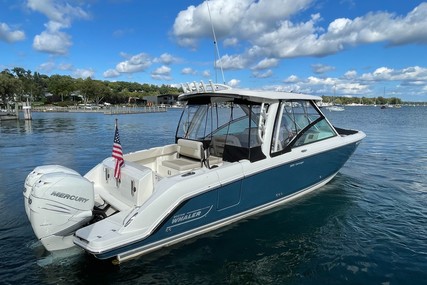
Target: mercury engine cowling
[[59, 204], [35, 175]]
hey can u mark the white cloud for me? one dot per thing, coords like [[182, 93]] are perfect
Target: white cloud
[[166, 58], [234, 19], [269, 32], [351, 84], [136, 63], [233, 82], [141, 62], [50, 66], [188, 70], [408, 74], [321, 68], [266, 63], [379, 27], [47, 66], [338, 26], [292, 79], [350, 74], [52, 42], [83, 73], [9, 35], [230, 42], [60, 15], [206, 73], [194, 22], [58, 11], [383, 72], [162, 70], [111, 73], [162, 73], [265, 74], [232, 62], [324, 86], [293, 40]]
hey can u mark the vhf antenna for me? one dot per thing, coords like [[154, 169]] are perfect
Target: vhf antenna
[[216, 45]]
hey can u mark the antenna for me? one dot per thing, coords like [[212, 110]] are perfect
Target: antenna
[[215, 43]]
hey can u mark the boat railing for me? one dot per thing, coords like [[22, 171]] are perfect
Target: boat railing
[[195, 87]]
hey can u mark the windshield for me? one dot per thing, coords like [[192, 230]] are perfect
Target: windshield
[[220, 125], [298, 123]]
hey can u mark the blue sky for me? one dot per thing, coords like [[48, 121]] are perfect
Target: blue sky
[[321, 47]]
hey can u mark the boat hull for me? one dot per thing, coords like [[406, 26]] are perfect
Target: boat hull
[[238, 199]]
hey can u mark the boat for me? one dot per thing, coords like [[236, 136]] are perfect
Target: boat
[[237, 153], [335, 108]]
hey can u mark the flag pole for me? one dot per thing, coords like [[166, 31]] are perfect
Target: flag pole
[[117, 154]]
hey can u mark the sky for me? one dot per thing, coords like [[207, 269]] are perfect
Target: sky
[[321, 47]]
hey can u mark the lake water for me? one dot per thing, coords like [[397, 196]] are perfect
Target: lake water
[[367, 226]]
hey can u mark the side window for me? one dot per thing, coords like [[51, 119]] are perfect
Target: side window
[[285, 129], [320, 131], [300, 121]]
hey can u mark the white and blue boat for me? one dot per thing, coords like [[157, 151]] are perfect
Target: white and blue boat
[[237, 153]]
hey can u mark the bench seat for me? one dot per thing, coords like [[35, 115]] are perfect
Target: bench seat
[[190, 155], [182, 164]]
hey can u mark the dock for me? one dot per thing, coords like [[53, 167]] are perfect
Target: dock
[[8, 117], [9, 114], [112, 110]]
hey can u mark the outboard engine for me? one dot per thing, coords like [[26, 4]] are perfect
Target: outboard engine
[[36, 174], [59, 204]]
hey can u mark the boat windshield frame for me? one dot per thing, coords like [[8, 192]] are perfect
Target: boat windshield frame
[[227, 126], [305, 124]]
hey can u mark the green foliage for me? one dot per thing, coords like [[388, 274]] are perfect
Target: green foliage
[[61, 86], [18, 83], [9, 86], [361, 100]]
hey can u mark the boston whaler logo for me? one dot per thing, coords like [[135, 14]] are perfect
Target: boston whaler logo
[[69, 197], [190, 216]]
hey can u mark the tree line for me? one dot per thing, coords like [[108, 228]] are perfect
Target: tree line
[[341, 100], [18, 84]]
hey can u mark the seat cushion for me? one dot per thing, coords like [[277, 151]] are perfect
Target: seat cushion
[[189, 148], [182, 164]]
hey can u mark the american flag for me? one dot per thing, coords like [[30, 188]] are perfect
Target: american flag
[[117, 153]]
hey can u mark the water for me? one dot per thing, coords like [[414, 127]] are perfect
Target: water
[[367, 226]]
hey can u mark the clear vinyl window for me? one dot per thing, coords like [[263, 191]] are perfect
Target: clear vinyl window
[[299, 123]]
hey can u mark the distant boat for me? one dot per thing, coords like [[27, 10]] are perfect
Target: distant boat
[[396, 106], [336, 108], [177, 105], [322, 104]]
